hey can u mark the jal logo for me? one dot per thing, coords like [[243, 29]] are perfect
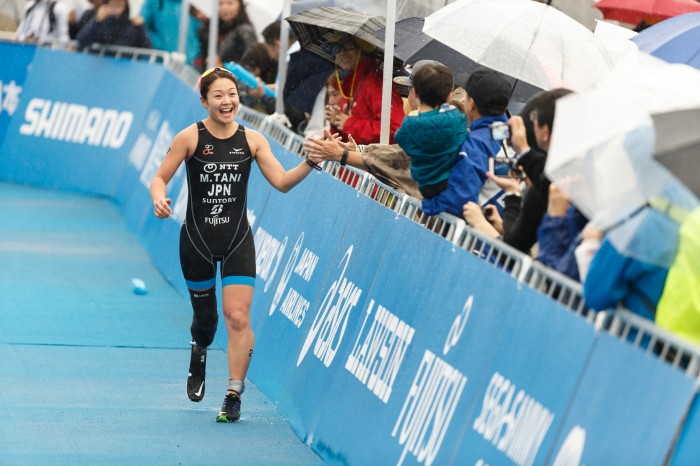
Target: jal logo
[[208, 149]]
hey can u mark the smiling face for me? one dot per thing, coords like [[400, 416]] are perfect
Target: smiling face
[[348, 55], [222, 100]]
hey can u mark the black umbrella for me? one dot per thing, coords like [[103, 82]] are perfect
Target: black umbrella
[[412, 44], [315, 26]]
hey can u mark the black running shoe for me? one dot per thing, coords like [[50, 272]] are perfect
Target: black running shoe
[[231, 410], [198, 368]]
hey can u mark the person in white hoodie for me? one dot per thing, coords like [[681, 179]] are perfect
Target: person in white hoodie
[[44, 20]]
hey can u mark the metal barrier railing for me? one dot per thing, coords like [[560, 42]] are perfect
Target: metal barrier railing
[[296, 145], [653, 340], [496, 253], [445, 225], [639, 332], [347, 174], [133, 53], [558, 287], [185, 72], [251, 117], [276, 132], [385, 195]]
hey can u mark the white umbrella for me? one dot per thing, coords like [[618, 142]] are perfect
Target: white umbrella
[[616, 39], [528, 40], [606, 146]]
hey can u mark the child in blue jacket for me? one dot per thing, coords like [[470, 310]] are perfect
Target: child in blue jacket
[[432, 135]]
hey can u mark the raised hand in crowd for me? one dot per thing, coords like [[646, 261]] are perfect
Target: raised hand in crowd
[[558, 203], [336, 116], [518, 134], [474, 216], [585, 251], [494, 217], [108, 10], [509, 184], [512, 187]]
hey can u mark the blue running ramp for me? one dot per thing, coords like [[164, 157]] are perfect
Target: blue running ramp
[[95, 374]]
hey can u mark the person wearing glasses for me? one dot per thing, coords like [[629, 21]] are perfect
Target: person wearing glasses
[[360, 83], [218, 153]]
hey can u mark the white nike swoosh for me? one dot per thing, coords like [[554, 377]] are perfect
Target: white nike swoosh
[[199, 392]]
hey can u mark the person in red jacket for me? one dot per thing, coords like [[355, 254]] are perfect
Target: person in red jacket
[[360, 83]]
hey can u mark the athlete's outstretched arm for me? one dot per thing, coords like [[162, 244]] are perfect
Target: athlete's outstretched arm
[[178, 151], [271, 168]]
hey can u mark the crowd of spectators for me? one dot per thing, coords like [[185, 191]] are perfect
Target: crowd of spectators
[[443, 149]]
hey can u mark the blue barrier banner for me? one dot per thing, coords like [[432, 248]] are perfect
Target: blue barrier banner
[[258, 187], [295, 284], [627, 408], [276, 226], [538, 363], [454, 339], [326, 336], [688, 448], [13, 73], [421, 342], [80, 123], [175, 106]]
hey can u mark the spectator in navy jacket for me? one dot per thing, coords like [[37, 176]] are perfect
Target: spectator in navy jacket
[[112, 26]]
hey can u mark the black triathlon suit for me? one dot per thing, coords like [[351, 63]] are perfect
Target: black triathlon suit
[[216, 228]]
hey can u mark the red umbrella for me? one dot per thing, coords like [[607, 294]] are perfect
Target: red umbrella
[[649, 11]]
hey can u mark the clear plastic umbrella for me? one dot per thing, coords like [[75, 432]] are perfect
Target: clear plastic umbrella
[[528, 40], [606, 148]]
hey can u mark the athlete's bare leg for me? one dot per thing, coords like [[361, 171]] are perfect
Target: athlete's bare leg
[[236, 309]]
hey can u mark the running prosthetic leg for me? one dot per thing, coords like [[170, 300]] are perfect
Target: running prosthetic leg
[[198, 367], [204, 322]]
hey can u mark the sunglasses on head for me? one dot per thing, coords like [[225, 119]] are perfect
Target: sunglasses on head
[[210, 71]]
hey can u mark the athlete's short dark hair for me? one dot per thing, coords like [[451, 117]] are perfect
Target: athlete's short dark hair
[[212, 75]]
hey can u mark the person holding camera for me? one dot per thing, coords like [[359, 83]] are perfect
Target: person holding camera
[[523, 212], [432, 135], [488, 93]]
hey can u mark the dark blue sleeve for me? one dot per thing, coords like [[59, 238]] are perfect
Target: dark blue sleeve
[[463, 185], [557, 245]]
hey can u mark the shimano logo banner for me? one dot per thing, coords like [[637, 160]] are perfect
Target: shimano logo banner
[[74, 131]]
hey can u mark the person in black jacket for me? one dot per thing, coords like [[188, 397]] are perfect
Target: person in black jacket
[[111, 25]]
